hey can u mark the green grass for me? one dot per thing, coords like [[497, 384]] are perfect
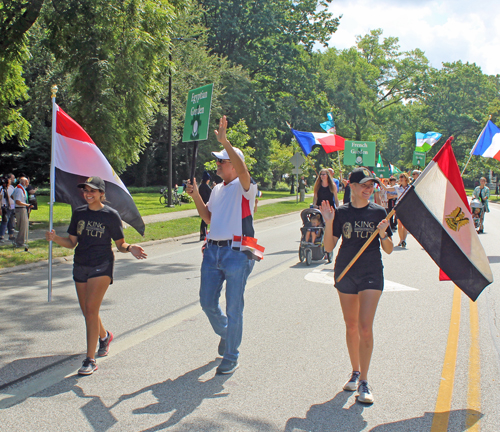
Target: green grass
[[147, 204], [10, 257]]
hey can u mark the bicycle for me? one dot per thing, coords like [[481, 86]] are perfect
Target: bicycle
[[176, 195]]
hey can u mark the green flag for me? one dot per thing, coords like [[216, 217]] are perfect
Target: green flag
[[380, 164]]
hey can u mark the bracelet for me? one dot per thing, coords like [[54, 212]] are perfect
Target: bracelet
[[128, 247], [383, 238]]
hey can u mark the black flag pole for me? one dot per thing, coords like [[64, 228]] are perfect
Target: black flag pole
[[193, 162]]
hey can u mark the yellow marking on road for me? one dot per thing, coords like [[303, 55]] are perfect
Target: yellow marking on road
[[472, 420], [16, 394], [443, 403]]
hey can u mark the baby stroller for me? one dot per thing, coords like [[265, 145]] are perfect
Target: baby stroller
[[477, 208], [308, 250]]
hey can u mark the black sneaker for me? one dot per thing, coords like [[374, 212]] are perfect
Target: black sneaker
[[104, 345], [222, 347], [226, 367], [88, 367]]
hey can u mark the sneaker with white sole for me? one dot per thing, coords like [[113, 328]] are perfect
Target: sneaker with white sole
[[364, 394], [226, 367], [88, 367], [352, 384], [104, 345]]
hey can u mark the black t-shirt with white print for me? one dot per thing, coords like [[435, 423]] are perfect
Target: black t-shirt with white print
[[94, 230], [355, 226]]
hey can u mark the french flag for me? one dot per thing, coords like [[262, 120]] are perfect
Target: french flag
[[76, 157], [436, 212], [488, 142], [329, 142]]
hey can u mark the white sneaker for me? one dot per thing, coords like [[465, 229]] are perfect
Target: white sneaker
[[352, 384], [364, 394]]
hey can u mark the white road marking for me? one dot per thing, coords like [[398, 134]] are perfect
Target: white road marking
[[326, 277]]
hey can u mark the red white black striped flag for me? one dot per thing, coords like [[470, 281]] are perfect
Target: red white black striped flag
[[436, 212], [76, 157]]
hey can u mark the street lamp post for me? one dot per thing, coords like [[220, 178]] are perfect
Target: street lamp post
[[169, 142]]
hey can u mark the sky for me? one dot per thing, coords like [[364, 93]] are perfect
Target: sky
[[446, 30]]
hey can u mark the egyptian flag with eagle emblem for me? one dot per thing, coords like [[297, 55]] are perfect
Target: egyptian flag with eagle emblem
[[76, 158], [436, 212]]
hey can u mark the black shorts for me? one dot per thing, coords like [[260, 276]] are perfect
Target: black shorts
[[353, 283], [82, 273]]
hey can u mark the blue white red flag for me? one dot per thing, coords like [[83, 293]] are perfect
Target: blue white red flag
[[488, 142], [329, 142]]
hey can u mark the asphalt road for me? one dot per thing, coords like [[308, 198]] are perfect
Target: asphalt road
[[433, 369]]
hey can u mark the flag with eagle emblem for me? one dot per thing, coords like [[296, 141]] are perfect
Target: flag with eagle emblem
[[435, 210]]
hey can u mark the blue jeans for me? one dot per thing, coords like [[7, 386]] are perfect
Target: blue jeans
[[219, 264], [7, 222]]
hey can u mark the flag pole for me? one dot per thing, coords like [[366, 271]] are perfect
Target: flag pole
[[367, 243], [52, 185]]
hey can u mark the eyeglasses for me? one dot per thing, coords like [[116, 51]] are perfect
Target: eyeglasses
[[323, 174], [402, 177], [223, 161]]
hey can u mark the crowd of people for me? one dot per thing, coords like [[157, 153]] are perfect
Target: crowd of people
[[230, 249]]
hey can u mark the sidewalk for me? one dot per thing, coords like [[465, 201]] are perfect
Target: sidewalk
[[38, 234]]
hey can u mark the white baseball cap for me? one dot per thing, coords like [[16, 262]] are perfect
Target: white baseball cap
[[223, 154]]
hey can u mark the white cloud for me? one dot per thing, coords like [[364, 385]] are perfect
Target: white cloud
[[446, 30]]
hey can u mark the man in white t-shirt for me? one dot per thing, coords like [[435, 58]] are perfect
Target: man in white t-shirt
[[20, 197], [231, 251]]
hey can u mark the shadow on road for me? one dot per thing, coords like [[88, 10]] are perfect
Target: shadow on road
[[457, 422], [180, 396], [331, 416]]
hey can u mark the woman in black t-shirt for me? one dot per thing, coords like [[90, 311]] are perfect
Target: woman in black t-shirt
[[91, 229], [325, 190], [360, 289]]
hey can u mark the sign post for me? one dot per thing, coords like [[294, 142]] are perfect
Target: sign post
[[297, 160], [197, 119]]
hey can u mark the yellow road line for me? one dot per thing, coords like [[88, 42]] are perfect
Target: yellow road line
[[443, 403], [474, 391]]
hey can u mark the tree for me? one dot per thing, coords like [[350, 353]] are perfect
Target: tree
[[115, 54], [16, 18]]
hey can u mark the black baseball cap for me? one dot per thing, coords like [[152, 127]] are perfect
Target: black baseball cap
[[94, 182], [362, 175]]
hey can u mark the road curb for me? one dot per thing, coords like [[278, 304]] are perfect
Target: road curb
[[69, 258]]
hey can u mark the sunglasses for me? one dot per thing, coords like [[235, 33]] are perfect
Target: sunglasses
[[222, 161]]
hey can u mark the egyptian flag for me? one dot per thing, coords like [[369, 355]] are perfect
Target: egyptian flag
[[329, 142], [436, 212], [76, 157]]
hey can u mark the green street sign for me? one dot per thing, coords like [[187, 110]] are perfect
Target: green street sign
[[382, 172], [360, 153], [418, 158], [197, 118]]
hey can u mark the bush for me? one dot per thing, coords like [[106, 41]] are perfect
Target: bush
[[281, 186], [185, 198]]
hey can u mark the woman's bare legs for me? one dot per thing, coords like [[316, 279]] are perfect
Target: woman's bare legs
[[359, 314], [90, 295]]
